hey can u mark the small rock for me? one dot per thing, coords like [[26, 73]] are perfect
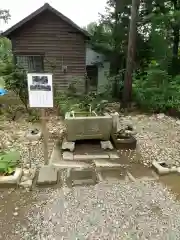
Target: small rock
[[24, 178], [27, 165], [26, 184], [178, 122], [26, 172], [15, 213], [32, 174], [160, 115], [16, 209]]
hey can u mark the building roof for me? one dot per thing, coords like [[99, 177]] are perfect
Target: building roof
[[45, 7]]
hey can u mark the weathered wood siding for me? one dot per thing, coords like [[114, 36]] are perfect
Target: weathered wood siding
[[58, 41]]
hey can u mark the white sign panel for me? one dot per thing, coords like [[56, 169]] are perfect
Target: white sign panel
[[40, 90]]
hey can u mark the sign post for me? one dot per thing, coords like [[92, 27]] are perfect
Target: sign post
[[40, 91]]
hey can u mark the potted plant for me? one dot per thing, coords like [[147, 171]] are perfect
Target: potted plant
[[9, 172], [124, 139]]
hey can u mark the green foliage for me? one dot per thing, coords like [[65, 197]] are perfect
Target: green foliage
[[157, 91], [5, 15], [15, 79], [8, 161], [5, 50], [80, 103]]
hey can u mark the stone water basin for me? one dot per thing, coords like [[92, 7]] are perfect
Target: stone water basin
[[88, 125]]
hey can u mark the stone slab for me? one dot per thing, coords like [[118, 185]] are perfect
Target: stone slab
[[68, 156], [14, 179], [71, 164], [82, 177], [88, 157], [56, 155], [112, 174], [106, 145], [113, 156], [47, 175], [106, 164], [68, 146], [77, 182]]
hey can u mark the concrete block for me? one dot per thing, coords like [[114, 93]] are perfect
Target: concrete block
[[115, 120], [47, 175], [68, 146], [106, 145], [82, 177], [14, 179], [85, 127], [56, 155], [68, 156], [160, 169], [90, 157]]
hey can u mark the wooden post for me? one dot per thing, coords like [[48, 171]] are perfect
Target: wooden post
[[45, 135]]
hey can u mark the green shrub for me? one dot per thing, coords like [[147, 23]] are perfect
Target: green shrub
[[15, 79], [157, 91], [80, 103]]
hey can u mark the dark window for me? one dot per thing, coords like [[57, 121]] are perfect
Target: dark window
[[92, 74], [31, 63]]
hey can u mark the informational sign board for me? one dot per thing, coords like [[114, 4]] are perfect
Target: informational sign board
[[40, 90]]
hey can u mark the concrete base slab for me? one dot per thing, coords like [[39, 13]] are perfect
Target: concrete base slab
[[83, 182], [160, 169], [106, 145], [47, 175], [82, 177], [68, 146], [90, 157], [111, 174], [113, 156], [106, 164], [71, 164], [11, 180]]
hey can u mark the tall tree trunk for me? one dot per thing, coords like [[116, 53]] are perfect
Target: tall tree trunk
[[176, 39], [127, 91]]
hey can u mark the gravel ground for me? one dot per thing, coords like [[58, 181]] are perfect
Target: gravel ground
[[13, 137], [158, 137], [133, 210], [121, 210]]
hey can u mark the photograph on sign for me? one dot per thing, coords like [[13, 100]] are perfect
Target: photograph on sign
[[40, 90]]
